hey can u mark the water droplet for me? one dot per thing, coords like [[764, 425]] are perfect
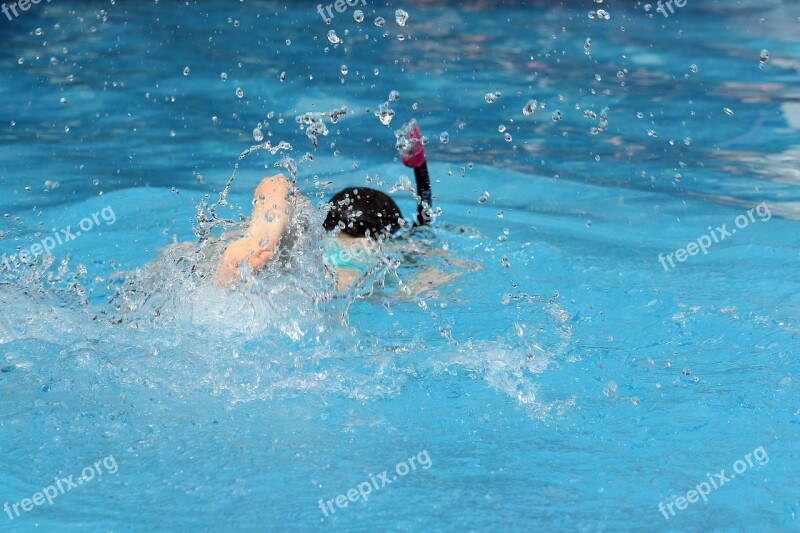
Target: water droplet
[[444, 137], [186, 71], [223, 76], [508, 137], [530, 108], [358, 16], [483, 197], [400, 17], [333, 38], [384, 113], [764, 57], [344, 70], [215, 121], [728, 111], [239, 92], [258, 135], [557, 115], [394, 96], [380, 22]]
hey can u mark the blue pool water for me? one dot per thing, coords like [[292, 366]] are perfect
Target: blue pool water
[[557, 375]]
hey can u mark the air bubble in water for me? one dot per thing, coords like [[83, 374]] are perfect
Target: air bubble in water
[[694, 68], [223, 76], [728, 111], [380, 22], [358, 16], [239, 92], [491, 97], [400, 17], [444, 137], [394, 96], [186, 71], [483, 197], [344, 70], [557, 115], [508, 137]]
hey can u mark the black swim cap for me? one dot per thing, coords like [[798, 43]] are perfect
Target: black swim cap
[[362, 210]]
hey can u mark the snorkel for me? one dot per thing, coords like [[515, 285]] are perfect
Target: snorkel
[[412, 154]]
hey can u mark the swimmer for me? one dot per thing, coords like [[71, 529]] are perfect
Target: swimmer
[[357, 218]]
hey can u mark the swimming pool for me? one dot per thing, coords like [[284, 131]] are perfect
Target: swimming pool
[[610, 340]]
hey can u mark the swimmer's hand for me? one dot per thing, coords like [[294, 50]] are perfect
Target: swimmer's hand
[[237, 252]]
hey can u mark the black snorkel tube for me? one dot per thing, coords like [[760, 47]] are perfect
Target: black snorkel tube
[[412, 153]]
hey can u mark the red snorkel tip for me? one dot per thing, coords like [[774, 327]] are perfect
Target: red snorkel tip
[[409, 144]]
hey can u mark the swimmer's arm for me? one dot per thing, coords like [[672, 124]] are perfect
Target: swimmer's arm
[[267, 224], [346, 278]]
